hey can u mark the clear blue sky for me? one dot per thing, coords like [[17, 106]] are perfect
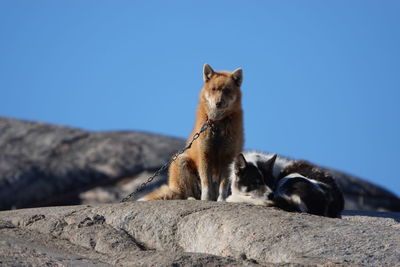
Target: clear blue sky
[[321, 78]]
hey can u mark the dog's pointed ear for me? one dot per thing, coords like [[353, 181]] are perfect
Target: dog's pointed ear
[[271, 161], [237, 76], [267, 170], [267, 167], [240, 162], [207, 72]]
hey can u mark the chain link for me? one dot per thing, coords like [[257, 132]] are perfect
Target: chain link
[[203, 128]]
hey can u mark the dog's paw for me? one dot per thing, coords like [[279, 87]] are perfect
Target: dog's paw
[[263, 202], [220, 199]]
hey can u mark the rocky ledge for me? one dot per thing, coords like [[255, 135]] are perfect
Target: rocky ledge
[[194, 233], [43, 164]]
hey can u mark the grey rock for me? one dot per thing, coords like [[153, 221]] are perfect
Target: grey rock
[[195, 233], [362, 195], [43, 165]]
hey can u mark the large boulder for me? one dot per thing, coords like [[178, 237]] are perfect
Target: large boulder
[[195, 233], [43, 164]]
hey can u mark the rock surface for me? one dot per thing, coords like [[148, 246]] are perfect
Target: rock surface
[[200, 233], [43, 164]]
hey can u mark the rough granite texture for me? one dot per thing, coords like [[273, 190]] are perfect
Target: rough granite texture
[[195, 233], [43, 164]]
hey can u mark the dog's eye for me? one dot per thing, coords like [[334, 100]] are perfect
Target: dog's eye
[[214, 89], [227, 90]]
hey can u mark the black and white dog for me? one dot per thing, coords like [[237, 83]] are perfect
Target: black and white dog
[[248, 180], [264, 179]]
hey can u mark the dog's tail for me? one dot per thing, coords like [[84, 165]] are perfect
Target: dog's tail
[[162, 193]]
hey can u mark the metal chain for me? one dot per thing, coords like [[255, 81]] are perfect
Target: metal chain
[[203, 128]]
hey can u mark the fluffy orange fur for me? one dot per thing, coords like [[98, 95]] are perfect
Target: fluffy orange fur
[[202, 171]]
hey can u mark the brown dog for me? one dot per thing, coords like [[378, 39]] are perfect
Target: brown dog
[[202, 171]]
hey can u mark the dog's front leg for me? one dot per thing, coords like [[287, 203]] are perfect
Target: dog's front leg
[[223, 187], [207, 192]]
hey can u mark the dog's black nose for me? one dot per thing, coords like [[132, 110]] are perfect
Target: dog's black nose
[[219, 104], [271, 196]]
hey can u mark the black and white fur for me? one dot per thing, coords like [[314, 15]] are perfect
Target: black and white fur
[[291, 185], [247, 180], [302, 187]]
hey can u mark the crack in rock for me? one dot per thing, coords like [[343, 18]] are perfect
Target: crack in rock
[[97, 219], [34, 218], [140, 245]]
